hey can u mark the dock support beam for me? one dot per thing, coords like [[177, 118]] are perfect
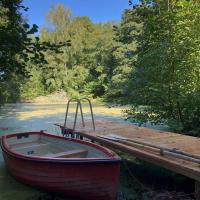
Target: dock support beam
[[197, 190]]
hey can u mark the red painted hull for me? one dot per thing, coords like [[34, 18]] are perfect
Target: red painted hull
[[87, 180]]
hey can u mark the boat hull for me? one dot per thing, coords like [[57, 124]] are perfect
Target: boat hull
[[89, 180]]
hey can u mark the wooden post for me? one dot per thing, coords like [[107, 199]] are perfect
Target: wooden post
[[197, 190]]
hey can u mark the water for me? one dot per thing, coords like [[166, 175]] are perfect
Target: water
[[31, 117]]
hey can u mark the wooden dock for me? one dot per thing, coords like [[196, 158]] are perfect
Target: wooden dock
[[166, 140]]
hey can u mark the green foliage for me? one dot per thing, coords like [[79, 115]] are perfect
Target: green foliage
[[166, 76], [17, 47], [124, 56], [77, 78], [9, 89], [85, 66], [33, 85], [13, 36]]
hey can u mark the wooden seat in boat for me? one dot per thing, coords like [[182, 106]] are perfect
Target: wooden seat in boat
[[77, 153], [28, 144]]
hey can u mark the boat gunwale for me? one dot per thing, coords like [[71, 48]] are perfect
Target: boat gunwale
[[112, 157]]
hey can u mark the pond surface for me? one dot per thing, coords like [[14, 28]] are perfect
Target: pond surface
[[33, 117]]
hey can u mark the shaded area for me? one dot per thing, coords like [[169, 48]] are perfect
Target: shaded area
[[140, 180]]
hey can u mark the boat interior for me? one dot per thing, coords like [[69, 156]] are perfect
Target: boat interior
[[46, 146]]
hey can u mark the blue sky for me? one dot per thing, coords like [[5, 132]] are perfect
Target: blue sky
[[97, 10]]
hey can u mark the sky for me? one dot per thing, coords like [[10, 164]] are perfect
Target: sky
[[97, 10]]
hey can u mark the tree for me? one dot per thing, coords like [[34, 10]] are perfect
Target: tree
[[88, 53], [17, 47], [14, 33], [166, 79], [124, 55]]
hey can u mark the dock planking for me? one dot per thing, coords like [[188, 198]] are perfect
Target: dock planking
[[181, 142]]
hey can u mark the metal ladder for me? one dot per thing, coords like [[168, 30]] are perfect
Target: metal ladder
[[68, 131]]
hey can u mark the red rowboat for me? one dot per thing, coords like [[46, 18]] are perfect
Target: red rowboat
[[71, 167]]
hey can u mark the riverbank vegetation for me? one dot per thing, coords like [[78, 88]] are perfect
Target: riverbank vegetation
[[150, 59]]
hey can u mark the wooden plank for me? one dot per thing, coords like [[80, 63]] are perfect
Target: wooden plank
[[77, 153], [167, 139], [185, 143], [28, 144]]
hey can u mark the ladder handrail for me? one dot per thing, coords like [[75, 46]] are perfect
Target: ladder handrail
[[81, 111], [91, 110], [67, 111], [66, 114], [83, 123]]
